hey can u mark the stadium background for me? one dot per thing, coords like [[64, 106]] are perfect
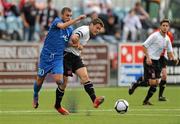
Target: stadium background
[[19, 58], [112, 67]]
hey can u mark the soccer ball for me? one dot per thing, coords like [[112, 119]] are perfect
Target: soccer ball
[[121, 106]]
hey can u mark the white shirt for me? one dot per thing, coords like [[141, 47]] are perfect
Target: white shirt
[[155, 44], [90, 6], [132, 22], [84, 34]]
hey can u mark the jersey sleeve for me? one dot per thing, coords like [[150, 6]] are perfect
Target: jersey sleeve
[[149, 40], [81, 32], [56, 21]]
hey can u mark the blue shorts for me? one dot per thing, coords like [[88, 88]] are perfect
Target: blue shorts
[[50, 64]]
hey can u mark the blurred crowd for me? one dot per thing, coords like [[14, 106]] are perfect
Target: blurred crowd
[[29, 20]]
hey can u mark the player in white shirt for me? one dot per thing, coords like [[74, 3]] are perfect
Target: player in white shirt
[[163, 62], [73, 62], [153, 48]]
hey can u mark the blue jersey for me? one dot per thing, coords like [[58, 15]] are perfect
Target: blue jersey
[[57, 39], [51, 58]]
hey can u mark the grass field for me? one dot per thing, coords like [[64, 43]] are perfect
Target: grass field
[[15, 107]]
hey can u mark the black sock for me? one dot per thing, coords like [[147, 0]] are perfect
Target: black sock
[[138, 82], [59, 96], [88, 86], [162, 87], [142, 82], [150, 93]]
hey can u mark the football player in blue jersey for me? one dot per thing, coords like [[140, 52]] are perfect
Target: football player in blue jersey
[[51, 57]]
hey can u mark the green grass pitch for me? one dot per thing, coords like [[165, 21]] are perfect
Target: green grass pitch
[[16, 107]]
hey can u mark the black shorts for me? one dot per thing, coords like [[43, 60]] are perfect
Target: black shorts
[[152, 71], [71, 63], [163, 62]]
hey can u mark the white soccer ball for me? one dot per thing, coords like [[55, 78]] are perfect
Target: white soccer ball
[[121, 106]]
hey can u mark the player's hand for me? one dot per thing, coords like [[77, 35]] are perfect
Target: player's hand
[[176, 61], [173, 62], [80, 47], [26, 24], [71, 44], [75, 38], [81, 17], [148, 61]]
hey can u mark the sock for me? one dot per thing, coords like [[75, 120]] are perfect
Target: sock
[[37, 88], [162, 87], [138, 82], [150, 93], [142, 82], [88, 86], [59, 96]]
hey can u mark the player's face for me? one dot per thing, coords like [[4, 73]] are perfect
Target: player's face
[[66, 16], [164, 27], [95, 29]]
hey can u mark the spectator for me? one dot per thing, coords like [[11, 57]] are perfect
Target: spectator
[[105, 5], [142, 14], [88, 19], [1, 9], [47, 15], [29, 17], [12, 20], [6, 6], [21, 4], [112, 32], [2, 22], [132, 24], [90, 6], [41, 4]]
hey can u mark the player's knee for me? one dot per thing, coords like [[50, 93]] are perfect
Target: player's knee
[[164, 77], [84, 78], [40, 80], [61, 84], [164, 74]]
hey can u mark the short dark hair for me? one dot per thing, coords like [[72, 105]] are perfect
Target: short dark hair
[[97, 21], [65, 9], [165, 20]]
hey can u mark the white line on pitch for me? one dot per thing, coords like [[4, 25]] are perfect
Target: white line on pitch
[[82, 110], [86, 112]]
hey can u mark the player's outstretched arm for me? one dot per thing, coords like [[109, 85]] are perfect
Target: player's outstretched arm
[[71, 22]]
